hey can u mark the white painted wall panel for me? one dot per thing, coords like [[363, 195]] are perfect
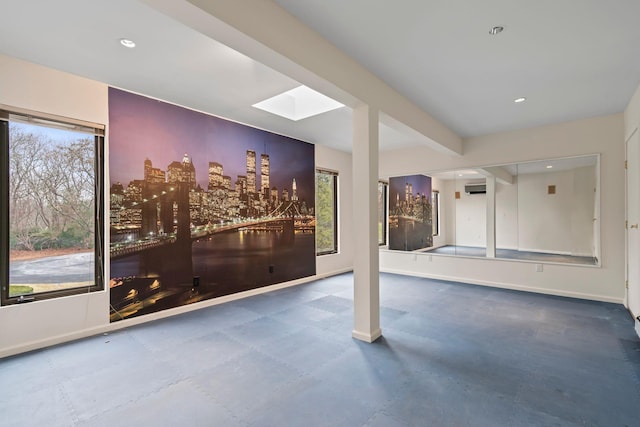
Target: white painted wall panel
[[471, 217], [603, 135], [30, 86], [507, 215]]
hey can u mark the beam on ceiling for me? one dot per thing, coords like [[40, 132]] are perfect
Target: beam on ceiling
[[267, 33], [501, 174]]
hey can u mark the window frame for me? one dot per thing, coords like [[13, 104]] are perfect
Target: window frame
[[334, 174], [385, 214], [435, 212], [8, 114]]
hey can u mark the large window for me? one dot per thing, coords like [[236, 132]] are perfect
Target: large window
[[51, 239], [326, 212], [435, 211], [382, 213]]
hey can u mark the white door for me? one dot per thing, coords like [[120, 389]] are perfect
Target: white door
[[633, 219]]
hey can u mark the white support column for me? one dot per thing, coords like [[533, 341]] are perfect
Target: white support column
[[491, 216], [366, 295]]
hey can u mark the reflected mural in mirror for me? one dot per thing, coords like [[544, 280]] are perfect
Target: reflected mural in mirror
[[541, 211], [410, 213]]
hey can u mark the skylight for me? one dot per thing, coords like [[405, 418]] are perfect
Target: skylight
[[299, 103]]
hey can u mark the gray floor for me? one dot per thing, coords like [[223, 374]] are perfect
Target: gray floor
[[452, 355], [474, 251]]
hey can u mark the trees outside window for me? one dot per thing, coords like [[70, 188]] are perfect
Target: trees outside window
[[326, 212], [51, 230]]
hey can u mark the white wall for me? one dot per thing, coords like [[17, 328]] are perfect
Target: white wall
[[507, 215], [632, 114], [468, 214], [340, 162], [471, 216], [557, 223], [583, 211], [448, 202], [36, 88], [38, 324], [603, 135], [440, 186], [632, 124], [529, 219]]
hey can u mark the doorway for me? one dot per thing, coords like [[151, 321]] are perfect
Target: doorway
[[633, 221]]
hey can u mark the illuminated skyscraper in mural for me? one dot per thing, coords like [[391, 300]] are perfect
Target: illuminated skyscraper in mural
[[408, 192], [251, 171], [294, 191], [241, 185], [215, 175], [228, 226], [147, 169], [153, 175], [264, 175], [182, 172], [410, 220]]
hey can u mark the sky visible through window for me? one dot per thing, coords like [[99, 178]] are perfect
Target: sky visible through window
[[51, 209]]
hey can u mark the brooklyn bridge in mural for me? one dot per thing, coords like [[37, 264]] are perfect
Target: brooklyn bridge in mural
[[235, 210]]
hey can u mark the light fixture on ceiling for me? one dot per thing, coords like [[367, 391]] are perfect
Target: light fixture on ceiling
[[549, 166], [519, 100], [496, 30], [128, 43], [298, 103]]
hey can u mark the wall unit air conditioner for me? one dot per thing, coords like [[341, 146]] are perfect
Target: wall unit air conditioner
[[475, 188]]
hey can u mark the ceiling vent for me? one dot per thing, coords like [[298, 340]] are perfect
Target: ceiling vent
[[475, 188]]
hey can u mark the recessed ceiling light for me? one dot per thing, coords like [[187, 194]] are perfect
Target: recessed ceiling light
[[299, 103], [519, 100], [128, 43], [496, 30], [549, 166]]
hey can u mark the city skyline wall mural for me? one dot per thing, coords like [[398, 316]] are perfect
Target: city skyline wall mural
[[410, 213], [202, 207]]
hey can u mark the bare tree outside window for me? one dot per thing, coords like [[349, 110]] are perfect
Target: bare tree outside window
[[52, 209], [326, 212]]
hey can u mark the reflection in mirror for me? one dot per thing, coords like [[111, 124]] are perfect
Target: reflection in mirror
[[470, 213], [410, 212], [543, 211]]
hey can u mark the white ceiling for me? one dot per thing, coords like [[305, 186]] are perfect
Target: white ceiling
[[515, 169], [572, 59]]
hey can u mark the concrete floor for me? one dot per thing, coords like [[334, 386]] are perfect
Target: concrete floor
[[452, 355]]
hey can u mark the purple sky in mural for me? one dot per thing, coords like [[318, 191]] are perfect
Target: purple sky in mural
[[421, 184], [163, 133]]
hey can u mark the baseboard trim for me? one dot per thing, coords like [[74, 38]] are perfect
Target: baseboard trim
[[512, 286], [546, 251], [55, 340], [637, 327], [366, 336], [332, 273], [126, 323]]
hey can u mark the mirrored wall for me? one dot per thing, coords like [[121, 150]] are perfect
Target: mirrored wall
[[543, 211]]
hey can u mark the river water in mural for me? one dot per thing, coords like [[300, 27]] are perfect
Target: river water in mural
[[251, 259], [201, 207]]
